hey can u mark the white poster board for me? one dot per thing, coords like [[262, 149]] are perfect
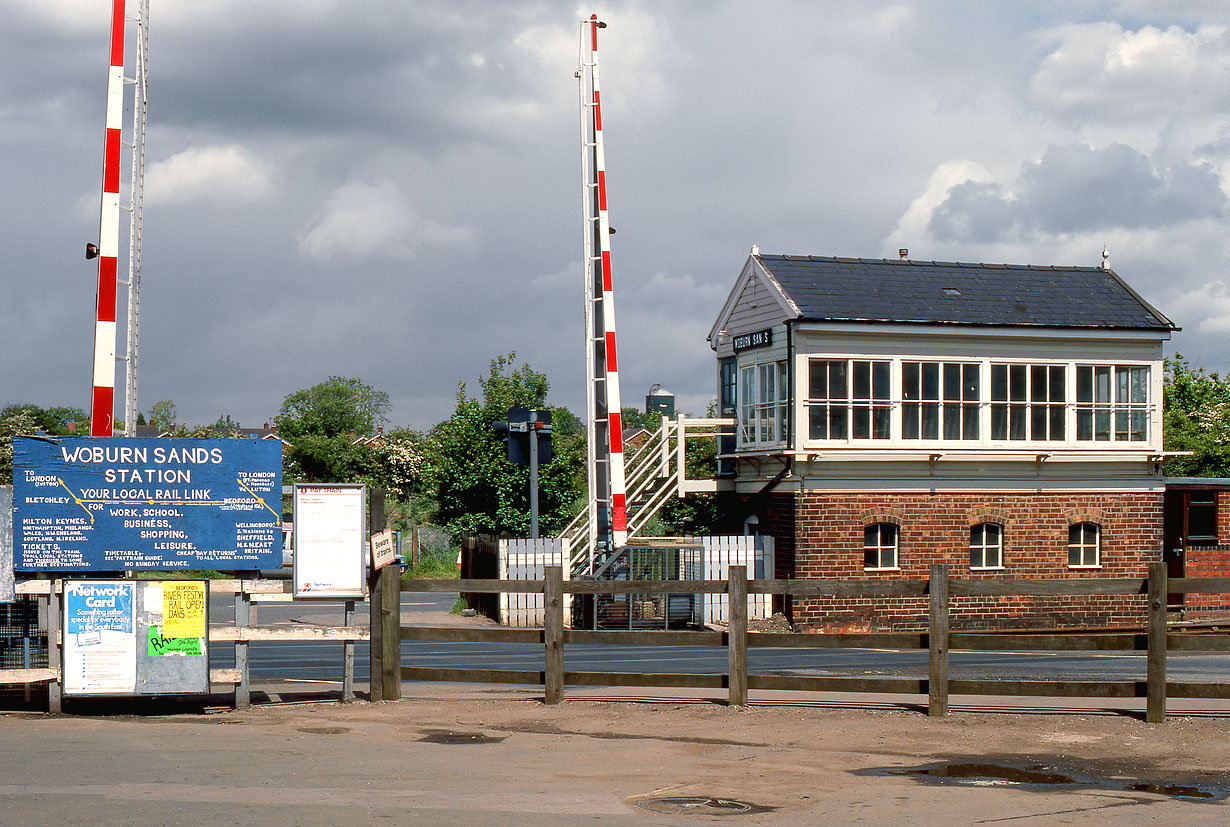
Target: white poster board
[[330, 540], [100, 637]]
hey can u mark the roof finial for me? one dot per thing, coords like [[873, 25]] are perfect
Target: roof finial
[[1105, 257], [755, 249]]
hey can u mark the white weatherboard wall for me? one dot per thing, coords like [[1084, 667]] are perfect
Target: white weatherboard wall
[[527, 560], [756, 553]]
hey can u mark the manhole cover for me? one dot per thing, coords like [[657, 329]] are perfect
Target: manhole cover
[[698, 805]]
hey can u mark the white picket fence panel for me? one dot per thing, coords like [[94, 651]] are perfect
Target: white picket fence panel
[[756, 553], [528, 559]]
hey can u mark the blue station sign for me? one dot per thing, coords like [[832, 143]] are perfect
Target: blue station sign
[[115, 503]]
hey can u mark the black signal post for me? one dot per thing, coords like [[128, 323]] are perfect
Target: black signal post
[[527, 435]]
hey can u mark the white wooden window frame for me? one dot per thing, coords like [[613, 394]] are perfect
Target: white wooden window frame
[[1123, 417], [887, 554], [1085, 545], [763, 392], [1145, 413], [979, 546]]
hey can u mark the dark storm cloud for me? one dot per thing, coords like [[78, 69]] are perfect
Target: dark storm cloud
[[1076, 188], [390, 190], [424, 75]]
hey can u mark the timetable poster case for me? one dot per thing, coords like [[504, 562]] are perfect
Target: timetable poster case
[[110, 504], [136, 637], [330, 540]]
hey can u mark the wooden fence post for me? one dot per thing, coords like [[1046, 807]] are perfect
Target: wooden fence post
[[937, 635], [384, 613], [1155, 676], [390, 632], [375, 639], [553, 634], [737, 635], [243, 613]]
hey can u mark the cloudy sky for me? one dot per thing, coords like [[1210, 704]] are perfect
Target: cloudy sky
[[390, 189]]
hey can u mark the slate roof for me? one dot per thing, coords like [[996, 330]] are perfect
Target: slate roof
[[934, 292]]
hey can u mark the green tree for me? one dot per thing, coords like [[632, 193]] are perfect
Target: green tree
[[399, 463], [636, 418], [1196, 418], [337, 406], [162, 415], [13, 424], [55, 420], [475, 486], [322, 426]]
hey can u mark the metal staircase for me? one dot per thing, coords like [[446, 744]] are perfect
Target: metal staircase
[[656, 471]]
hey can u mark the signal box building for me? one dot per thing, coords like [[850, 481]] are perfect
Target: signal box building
[[892, 414]]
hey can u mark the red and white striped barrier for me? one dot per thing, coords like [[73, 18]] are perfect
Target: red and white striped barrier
[[617, 485], [102, 404]]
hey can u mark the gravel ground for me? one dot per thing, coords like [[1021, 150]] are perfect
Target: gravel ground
[[497, 755]]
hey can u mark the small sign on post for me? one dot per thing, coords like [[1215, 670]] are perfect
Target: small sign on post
[[384, 551]]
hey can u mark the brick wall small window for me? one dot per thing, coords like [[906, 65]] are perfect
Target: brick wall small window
[[1084, 545], [986, 546], [880, 546], [1202, 516]]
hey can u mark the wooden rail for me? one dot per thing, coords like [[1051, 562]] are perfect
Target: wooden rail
[[939, 640], [247, 592], [939, 590]]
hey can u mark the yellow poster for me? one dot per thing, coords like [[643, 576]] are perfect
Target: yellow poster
[[183, 608]]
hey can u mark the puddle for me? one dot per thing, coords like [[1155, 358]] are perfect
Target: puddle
[[448, 736], [700, 805], [1038, 777], [323, 730]]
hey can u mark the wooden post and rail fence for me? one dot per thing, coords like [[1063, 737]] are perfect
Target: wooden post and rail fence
[[388, 671], [938, 640]]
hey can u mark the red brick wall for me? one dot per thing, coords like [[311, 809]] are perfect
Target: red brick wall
[[1223, 517], [934, 528], [1209, 561]]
